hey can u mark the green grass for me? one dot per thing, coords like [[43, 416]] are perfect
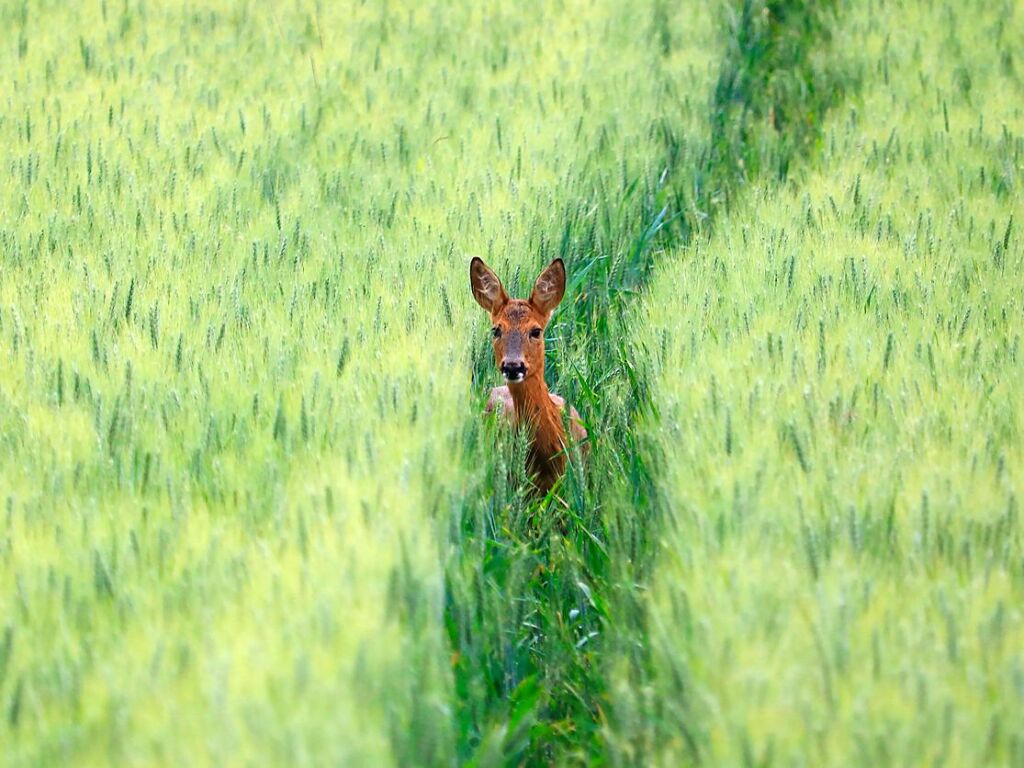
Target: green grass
[[251, 511], [837, 385], [237, 331], [547, 609]]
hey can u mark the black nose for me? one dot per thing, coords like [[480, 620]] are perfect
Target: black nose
[[514, 371]]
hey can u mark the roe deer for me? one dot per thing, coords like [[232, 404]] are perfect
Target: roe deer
[[517, 327]]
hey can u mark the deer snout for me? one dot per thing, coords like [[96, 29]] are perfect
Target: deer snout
[[513, 370]]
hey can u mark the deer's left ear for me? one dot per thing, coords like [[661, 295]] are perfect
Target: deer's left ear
[[549, 288]]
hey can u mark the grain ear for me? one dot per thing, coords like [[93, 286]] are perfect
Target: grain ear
[[549, 288], [487, 288]]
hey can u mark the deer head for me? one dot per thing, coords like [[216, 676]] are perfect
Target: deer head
[[517, 325]]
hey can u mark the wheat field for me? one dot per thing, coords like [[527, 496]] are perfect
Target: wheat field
[[252, 514], [838, 378]]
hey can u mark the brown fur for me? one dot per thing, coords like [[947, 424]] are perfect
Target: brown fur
[[518, 328]]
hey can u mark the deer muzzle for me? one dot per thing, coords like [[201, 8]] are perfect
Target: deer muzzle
[[513, 370]]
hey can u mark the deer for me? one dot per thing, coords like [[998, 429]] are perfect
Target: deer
[[517, 332]]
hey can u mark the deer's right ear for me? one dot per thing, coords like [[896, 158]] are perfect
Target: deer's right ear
[[487, 288]]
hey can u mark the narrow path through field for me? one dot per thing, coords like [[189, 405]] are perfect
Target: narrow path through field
[[547, 608]]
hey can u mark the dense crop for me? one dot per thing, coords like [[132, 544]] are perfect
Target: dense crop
[[236, 336], [838, 380], [251, 513]]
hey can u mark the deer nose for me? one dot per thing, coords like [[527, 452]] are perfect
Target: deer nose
[[513, 370]]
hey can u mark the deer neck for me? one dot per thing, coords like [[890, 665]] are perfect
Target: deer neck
[[533, 406]]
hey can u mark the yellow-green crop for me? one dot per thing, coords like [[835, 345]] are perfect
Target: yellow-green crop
[[235, 343], [837, 373], [250, 513]]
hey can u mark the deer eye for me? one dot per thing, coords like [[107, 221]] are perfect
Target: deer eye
[[496, 332], [535, 333]]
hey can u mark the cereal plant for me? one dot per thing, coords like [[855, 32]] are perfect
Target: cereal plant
[[837, 376], [236, 337], [252, 513]]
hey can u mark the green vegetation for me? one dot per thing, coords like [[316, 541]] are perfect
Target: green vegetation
[[838, 387], [548, 611], [236, 332], [251, 513]]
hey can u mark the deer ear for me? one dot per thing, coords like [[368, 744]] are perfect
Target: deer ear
[[549, 288], [487, 288]]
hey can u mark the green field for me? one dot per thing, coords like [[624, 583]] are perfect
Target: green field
[[837, 372], [252, 514]]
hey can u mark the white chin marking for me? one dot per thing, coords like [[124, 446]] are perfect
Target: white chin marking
[[515, 379]]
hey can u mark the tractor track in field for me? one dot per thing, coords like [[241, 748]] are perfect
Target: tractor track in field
[[546, 599]]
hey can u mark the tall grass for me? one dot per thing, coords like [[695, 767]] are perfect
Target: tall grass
[[547, 607], [236, 340], [530, 615], [251, 512], [837, 377]]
